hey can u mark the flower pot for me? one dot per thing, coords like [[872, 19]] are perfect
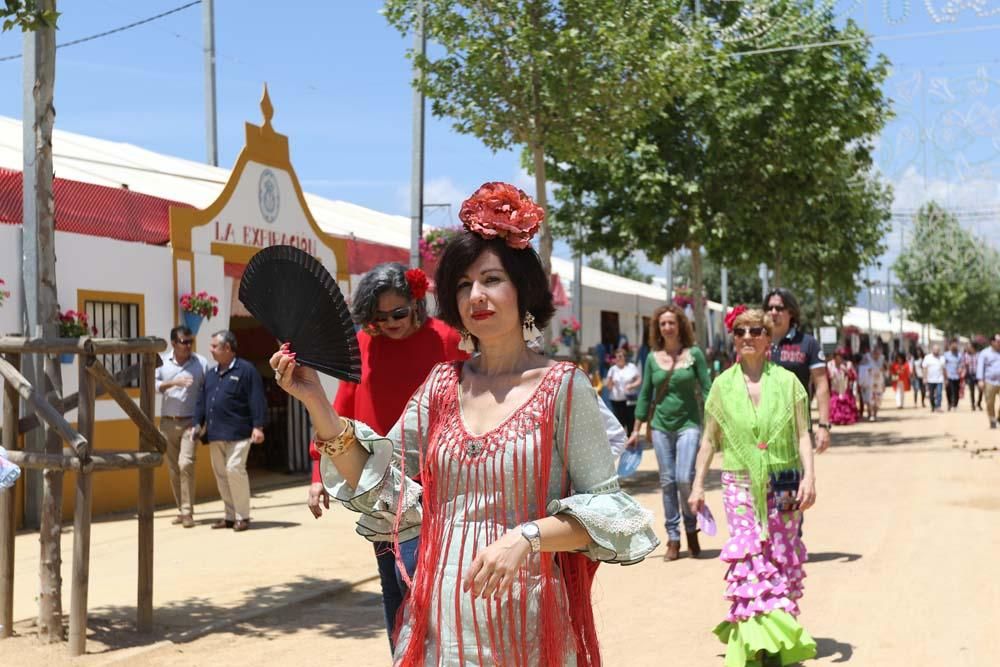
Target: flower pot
[[192, 321], [568, 340], [66, 357]]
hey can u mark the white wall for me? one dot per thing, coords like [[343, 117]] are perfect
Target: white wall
[[10, 272]]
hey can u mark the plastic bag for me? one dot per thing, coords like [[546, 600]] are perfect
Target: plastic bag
[[9, 472], [629, 461]]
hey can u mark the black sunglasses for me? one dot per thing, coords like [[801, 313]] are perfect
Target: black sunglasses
[[184, 341], [400, 313], [755, 332], [779, 309]]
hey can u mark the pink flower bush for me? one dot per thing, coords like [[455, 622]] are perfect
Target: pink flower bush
[[201, 304], [73, 325], [4, 294]]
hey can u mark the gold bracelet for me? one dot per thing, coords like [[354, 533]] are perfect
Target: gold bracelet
[[338, 445]]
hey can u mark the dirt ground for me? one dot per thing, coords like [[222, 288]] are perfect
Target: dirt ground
[[903, 547]]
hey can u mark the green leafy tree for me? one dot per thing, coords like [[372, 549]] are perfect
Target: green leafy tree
[[550, 76], [26, 15], [737, 164], [948, 276]]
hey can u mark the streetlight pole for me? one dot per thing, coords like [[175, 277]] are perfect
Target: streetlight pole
[[208, 35], [417, 168]]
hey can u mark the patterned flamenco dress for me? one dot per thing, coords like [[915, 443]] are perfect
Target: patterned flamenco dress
[[764, 552], [550, 456], [843, 405]]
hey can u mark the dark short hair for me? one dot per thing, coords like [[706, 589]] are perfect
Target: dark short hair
[[524, 268], [228, 337], [382, 278], [181, 329], [684, 329], [789, 301]]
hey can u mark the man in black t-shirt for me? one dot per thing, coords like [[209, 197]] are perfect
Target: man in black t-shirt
[[800, 353]]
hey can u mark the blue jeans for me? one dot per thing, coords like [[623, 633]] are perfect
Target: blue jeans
[[675, 454], [393, 586], [934, 389]]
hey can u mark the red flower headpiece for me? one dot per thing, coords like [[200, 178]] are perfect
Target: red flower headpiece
[[417, 280], [732, 315], [499, 210]]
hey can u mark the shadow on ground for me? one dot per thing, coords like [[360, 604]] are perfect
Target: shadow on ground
[[825, 556], [851, 436], [648, 481], [266, 610], [826, 647]]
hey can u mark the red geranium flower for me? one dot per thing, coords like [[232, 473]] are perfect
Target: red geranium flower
[[499, 210], [417, 280], [732, 315]]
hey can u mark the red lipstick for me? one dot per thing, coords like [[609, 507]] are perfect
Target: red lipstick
[[482, 314]]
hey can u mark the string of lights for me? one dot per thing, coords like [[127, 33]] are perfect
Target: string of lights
[[113, 30]]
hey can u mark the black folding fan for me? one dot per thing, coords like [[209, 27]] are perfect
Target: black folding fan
[[299, 302]]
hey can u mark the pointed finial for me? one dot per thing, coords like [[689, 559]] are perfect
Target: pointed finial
[[266, 108]]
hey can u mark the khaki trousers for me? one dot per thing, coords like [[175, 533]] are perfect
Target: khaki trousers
[[992, 391], [229, 463], [180, 461]]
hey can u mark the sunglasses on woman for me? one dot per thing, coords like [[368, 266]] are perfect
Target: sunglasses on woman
[[755, 332], [400, 313]]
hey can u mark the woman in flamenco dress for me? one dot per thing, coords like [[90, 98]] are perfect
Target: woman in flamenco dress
[[843, 404], [518, 499], [757, 415]]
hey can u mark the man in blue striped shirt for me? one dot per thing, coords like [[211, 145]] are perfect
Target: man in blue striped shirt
[[988, 374], [232, 410]]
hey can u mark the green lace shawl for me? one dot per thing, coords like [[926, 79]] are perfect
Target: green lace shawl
[[742, 427]]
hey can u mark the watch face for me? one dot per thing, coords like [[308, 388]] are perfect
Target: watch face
[[529, 530]]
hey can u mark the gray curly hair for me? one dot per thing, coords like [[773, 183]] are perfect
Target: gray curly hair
[[382, 278]]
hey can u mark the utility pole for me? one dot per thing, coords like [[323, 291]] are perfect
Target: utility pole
[[208, 35], [578, 294], [417, 171], [43, 493]]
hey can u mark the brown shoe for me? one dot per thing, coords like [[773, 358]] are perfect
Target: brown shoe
[[222, 523], [693, 547], [673, 550], [178, 520], [187, 521], [241, 525]]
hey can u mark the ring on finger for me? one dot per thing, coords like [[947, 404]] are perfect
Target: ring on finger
[[277, 376]]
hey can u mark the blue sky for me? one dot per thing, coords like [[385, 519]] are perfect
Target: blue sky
[[339, 81]]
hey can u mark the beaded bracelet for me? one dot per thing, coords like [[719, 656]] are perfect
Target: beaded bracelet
[[338, 445]]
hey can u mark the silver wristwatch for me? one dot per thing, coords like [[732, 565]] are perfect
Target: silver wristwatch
[[530, 532]]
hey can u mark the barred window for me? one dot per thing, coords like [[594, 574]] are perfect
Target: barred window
[[115, 319]]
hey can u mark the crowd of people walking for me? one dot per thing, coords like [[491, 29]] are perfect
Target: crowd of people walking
[[484, 472]]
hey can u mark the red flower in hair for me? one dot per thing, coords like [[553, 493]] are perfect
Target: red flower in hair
[[732, 315], [417, 280], [499, 210]]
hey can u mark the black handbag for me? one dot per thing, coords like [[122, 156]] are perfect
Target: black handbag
[[785, 486]]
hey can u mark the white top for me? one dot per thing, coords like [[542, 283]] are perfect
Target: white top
[[180, 401], [619, 378], [934, 367]]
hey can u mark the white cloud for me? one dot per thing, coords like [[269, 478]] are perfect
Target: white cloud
[[442, 200]]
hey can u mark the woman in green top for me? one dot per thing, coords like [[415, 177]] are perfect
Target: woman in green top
[[671, 401], [757, 415]]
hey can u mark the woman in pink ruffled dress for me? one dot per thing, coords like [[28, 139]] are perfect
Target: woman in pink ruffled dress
[[843, 405]]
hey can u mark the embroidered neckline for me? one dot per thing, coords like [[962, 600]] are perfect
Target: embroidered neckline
[[506, 420]]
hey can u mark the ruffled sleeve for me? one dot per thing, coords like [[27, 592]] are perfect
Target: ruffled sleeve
[[620, 529], [385, 481]]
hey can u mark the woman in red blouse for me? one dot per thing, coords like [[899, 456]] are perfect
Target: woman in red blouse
[[399, 345]]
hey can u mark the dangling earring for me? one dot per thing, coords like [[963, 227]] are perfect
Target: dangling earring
[[529, 330], [466, 344]]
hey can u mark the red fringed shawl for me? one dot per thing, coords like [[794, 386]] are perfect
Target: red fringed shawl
[[449, 444]]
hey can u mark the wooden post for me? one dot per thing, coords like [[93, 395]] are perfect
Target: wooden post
[[81, 521], [147, 403], [8, 519]]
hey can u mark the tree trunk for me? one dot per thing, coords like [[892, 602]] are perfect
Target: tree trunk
[[697, 296], [50, 627], [819, 299], [545, 238], [777, 272]]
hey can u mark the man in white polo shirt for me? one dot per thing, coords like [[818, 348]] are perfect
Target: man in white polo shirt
[[180, 380], [934, 376]]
